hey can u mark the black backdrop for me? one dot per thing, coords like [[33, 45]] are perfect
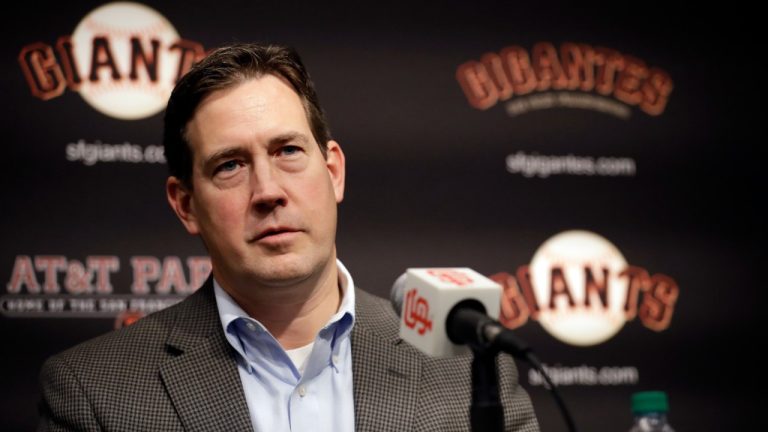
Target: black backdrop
[[427, 183]]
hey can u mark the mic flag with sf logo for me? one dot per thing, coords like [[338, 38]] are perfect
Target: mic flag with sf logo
[[425, 296]]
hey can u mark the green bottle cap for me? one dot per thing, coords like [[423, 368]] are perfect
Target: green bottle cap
[[649, 401]]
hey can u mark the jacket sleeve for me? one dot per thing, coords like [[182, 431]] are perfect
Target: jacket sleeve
[[64, 405]]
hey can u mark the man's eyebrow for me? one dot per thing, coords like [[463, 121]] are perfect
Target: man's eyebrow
[[223, 154], [289, 136]]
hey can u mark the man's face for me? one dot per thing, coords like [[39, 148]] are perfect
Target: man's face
[[263, 198]]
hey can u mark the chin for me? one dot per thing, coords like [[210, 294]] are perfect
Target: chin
[[280, 270], [283, 273]]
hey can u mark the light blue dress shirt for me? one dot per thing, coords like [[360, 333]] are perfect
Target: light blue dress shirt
[[279, 397]]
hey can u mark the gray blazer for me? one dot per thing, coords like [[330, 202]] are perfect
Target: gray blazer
[[174, 370]]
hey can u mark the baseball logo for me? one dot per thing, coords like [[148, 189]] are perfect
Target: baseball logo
[[576, 276], [123, 56]]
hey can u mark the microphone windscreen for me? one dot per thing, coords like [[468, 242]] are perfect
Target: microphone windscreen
[[397, 293]]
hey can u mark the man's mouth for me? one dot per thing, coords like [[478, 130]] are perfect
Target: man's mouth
[[275, 232]]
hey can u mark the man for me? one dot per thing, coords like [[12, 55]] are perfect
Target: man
[[278, 338]]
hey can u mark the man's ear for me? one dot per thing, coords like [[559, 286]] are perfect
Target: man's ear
[[334, 161], [180, 199]]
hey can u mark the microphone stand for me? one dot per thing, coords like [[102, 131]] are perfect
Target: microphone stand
[[468, 324], [486, 413]]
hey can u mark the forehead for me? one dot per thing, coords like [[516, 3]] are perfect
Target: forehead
[[253, 109]]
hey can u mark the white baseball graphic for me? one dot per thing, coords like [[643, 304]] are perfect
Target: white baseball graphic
[[125, 98], [573, 251]]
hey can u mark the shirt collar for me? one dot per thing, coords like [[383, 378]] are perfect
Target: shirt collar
[[230, 311]]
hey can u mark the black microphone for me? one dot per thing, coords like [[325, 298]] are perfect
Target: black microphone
[[468, 324]]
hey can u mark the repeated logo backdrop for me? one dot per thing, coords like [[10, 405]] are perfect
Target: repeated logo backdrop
[[601, 165]]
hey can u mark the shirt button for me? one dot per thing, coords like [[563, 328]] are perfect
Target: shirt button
[[251, 326], [302, 391], [335, 359]]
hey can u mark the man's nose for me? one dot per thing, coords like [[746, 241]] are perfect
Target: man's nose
[[266, 188]]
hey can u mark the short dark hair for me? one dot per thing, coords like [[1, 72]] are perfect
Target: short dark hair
[[223, 68]]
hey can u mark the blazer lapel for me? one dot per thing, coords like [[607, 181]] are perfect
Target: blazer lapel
[[202, 378], [385, 373]]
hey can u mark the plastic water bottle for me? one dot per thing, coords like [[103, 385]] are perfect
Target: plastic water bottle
[[650, 411]]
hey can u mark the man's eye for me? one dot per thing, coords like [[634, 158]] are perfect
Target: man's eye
[[289, 150], [227, 166]]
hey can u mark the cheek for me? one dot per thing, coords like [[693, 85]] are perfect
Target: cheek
[[318, 201], [325, 213], [321, 194], [224, 210]]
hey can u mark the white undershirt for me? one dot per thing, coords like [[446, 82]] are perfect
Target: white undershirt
[[300, 355]]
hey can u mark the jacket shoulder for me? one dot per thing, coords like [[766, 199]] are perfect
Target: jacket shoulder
[[197, 313], [147, 333], [375, 315], [107, 377]]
